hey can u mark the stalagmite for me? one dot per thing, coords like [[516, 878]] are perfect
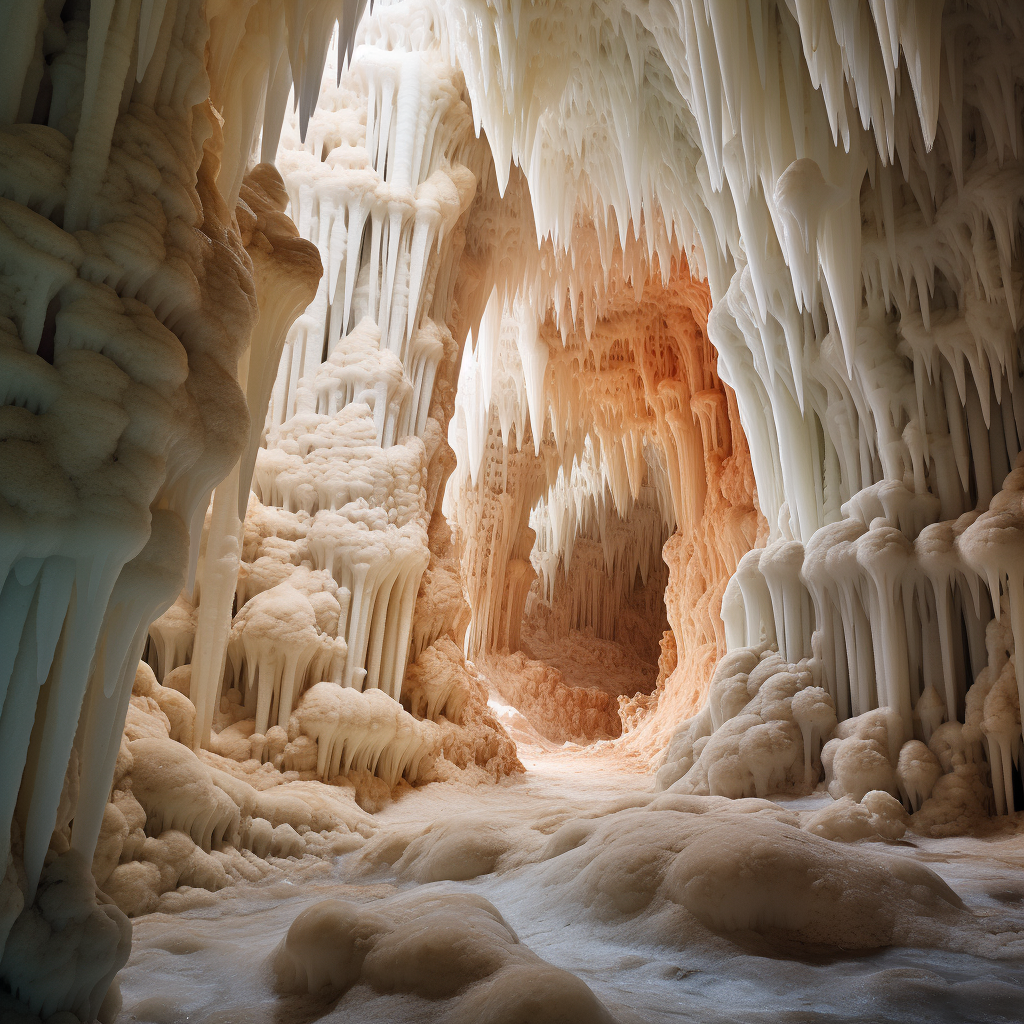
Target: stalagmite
[[759, 732]]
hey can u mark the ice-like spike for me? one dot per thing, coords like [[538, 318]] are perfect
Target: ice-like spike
[[921, 38], [44, 774], [275, 106], [151, 18], [55, 586], [100, 15], [15, 601]]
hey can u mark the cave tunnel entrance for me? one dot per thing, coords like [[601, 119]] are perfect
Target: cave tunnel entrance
[[591, 619]]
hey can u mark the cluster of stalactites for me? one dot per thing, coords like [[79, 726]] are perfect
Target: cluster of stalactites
[[629, 416], [498, 478], [581, 98], [321, 599], [367, 528], [72, 68], [359, 372], [645, 384], [883, 388], [834, 164], [507, 530], [943, 405], [262, 55], [590, 552], [868, 322], [381, 181], [638, 391], [502, 374], [377, 180], [570, 290], [508, 450], [581, 504]]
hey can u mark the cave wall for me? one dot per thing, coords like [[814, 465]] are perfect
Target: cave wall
[[146, 282]]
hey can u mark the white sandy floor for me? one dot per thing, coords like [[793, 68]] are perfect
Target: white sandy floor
[[207, 964]]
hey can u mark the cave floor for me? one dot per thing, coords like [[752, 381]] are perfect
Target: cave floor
[[204, 959]]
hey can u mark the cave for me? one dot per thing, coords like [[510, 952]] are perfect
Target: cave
[[511, 513]]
